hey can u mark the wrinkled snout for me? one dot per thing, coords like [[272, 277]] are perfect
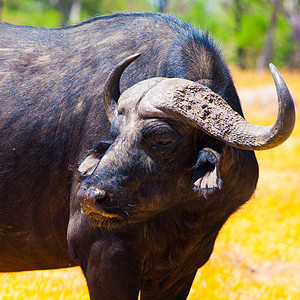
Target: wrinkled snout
[[96, 201]]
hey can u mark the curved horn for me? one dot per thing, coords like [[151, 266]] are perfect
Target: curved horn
[[111, 90], [284, 125], [212, 114]]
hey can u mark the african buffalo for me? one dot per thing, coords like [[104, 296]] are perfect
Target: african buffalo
[[137, 203]]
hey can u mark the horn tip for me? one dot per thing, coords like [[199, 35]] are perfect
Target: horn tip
[[271, 66], [273, 69], [137, 54], [131, 58]]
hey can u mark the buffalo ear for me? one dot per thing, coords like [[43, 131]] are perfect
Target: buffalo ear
[[206, 176], [90, 161]]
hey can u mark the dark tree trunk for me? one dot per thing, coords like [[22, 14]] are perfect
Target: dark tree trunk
[[266, 54], [238, 11], [70, 11], [62, 6], [292, 12], [162, 5]]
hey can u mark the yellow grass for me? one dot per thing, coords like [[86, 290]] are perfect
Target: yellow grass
[[257, 254]]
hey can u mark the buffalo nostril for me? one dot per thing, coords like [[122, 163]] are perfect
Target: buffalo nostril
[[103, 200], [98, 196], [94, 193]]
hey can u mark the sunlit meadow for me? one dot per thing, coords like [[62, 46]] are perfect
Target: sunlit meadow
[[257, 254]]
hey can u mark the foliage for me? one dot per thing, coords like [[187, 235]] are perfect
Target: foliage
[[31, 12], [241, 26]]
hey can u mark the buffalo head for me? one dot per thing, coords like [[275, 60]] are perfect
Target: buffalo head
[[169, 135]]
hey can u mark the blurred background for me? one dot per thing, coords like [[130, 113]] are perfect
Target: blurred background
[[251, 31], [257, 253]]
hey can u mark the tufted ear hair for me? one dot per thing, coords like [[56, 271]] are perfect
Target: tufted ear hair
[[90, 161], [206, 175]]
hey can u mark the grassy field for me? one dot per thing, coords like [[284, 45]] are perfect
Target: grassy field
[[257, 254]]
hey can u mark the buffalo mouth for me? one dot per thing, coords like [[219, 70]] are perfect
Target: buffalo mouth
[[110, 218], [102, 221], [100, 211]]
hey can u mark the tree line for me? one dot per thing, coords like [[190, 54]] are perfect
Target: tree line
[[252, 32]]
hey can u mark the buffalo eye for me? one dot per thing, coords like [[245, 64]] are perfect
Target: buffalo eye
[[161, 136]]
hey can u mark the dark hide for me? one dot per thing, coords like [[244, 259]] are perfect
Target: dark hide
[[51, 83]]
